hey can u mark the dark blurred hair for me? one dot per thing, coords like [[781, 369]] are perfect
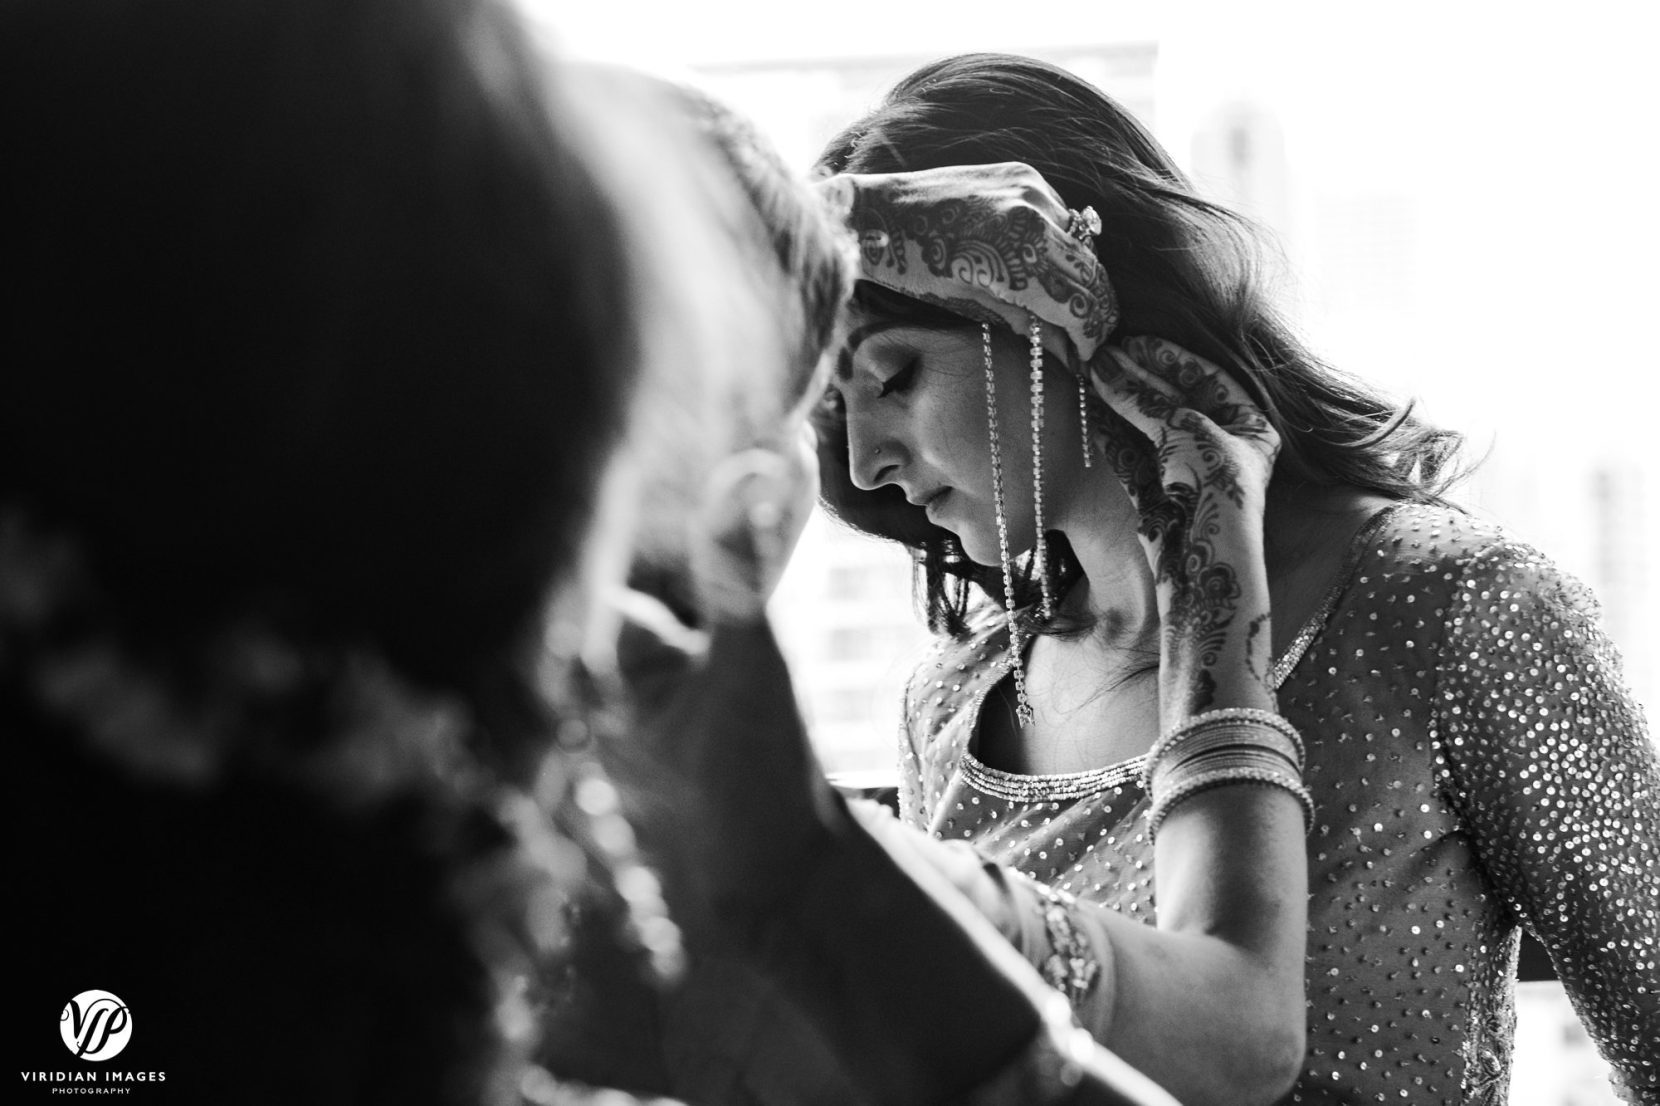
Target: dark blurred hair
[[312, 310], [1184, 268], [318, 320]]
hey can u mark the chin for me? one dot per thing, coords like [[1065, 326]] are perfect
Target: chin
[[981, 546], [980, 539]]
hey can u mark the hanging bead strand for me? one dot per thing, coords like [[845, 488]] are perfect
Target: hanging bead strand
[[1040, 547], [1017, 662], [1083, 417]]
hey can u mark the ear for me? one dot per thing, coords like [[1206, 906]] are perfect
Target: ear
[[755, 506]]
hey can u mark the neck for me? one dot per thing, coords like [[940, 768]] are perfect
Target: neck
[[1303, 525], [1306, 531], [1116, 594]]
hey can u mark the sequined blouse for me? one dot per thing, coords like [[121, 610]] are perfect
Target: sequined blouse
[[1477, 767]]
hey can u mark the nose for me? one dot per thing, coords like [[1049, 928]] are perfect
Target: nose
[[874, 456]]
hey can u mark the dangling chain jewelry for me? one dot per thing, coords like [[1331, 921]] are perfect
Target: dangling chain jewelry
[[1083, 419], [1040, 548], [1017, 661], [1084, 226]]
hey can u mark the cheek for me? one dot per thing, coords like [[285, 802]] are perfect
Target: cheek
[[951, 429]]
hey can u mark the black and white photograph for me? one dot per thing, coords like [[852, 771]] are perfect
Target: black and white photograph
[[868, 554]]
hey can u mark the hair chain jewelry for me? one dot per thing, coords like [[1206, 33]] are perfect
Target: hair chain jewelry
[[1084, 226], [1040, 547], [1017, 661], [1083, 417]]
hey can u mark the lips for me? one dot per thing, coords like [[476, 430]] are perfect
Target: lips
[[932, 501]]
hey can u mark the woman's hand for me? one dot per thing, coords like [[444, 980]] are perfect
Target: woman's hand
[[1197, 468]]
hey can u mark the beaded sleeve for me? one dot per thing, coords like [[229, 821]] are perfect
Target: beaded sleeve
[[1549, 763]]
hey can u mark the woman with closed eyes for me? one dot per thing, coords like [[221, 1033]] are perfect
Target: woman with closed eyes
[[1266, 752]]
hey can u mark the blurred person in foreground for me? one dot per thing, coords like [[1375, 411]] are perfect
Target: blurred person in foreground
[[319, 341]]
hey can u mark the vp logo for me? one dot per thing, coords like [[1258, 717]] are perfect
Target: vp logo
[[95, 1025]]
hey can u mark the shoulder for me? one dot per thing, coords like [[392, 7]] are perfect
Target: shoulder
[[954, 669], [1493, 573], [984, 644], [1464, 563]]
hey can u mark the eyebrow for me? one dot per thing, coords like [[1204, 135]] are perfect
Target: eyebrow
[[858, 337]]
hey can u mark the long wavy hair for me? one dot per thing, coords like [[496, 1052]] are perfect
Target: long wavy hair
[[1185, 269]]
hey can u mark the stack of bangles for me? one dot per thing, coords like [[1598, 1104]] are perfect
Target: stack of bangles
[[1219, 748]]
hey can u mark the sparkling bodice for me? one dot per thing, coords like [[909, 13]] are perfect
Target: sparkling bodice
[[1477, 767]]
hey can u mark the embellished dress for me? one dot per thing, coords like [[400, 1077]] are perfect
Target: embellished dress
[[1477, 767]]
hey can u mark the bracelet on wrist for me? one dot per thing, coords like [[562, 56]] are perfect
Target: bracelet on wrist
[[1234, 719], [1193, 785], [1071, 966], [1223, 742], [1221, 748]]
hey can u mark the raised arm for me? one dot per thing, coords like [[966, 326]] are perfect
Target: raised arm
[[1222, 973]]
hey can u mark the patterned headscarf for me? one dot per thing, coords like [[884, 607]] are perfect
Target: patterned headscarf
[[993, 243]]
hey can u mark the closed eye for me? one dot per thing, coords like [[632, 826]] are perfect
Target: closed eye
[[900, 381]]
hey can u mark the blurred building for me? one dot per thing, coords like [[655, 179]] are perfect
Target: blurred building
[[845, 619]]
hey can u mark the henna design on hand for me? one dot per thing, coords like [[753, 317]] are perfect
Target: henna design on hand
[[1196, 468]]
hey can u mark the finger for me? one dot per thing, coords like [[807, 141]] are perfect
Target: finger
[[1189, 448], [1129, 455], [1028, 185], [1141, 399], [1197, 383], [1227, 408], [1211, 457], [1149, 406]]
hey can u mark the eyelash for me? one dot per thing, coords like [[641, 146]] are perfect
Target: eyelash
[[900, 381]]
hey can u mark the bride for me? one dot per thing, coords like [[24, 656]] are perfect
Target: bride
[[1198, 594]]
